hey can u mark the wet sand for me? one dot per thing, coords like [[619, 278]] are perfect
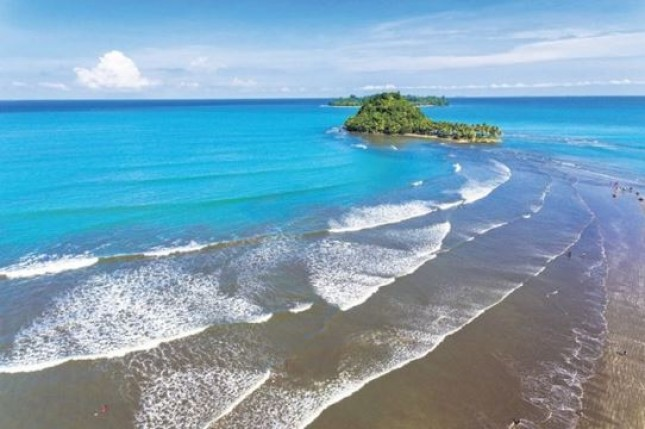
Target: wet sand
[[615, 397], [527, 358]]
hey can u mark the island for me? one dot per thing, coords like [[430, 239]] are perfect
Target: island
[[354, 101], [390, 113]]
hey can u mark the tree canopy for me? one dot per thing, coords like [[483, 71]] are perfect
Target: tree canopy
[[353, 100], [391, 113]]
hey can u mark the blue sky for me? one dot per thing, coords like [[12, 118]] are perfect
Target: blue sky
[[290, 48]]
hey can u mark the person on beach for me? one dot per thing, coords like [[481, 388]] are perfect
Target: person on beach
[[102, 411]]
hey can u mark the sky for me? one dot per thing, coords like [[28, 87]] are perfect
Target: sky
[[100, 49]]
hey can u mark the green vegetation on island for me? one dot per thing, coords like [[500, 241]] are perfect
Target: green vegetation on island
[[390, 113], [354, 101]]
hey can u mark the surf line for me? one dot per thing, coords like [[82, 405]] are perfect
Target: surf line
[[228, 410], [72, 263], [361, 384], [16, 369]]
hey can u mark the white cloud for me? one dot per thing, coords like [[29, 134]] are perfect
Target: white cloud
[[114, 71], [606, 46], [189, 84], [54, 85], [552, 34], [19, 84], [386, 87], [243, 83], [204, 63], [518, 85], [198, 62]]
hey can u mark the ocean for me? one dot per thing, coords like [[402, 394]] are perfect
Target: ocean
[[247, 263]]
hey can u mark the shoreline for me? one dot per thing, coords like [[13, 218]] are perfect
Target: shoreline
[[476, 377], [449, 140], [426, 137], [613, 396], [359, 105]]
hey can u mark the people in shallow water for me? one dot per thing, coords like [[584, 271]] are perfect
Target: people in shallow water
[[516, 422], [622, 353], [616, 189]]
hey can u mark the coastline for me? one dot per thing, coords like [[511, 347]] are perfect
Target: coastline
[[457, 141], [426, 137], [613, 397], [359, 105], [478, 376]]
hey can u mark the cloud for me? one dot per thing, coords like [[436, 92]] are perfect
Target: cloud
[[615, 45], [189, 84], [19, 84], [386, 87], [114, 71], [514, 85], [54, 85], [243, 83]]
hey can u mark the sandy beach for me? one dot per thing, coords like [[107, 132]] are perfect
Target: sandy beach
[[478, 378], [614, 397]]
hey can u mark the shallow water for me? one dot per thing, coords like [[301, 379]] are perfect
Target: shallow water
[[248, 264]]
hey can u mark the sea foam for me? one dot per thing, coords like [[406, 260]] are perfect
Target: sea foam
[[194, 398], [167, 251], [33, 266], [346, 273], [125, 311], [476, 189], [374, 216]]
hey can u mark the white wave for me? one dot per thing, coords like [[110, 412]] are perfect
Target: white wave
[[346, 274], [393, 147], [371, 217], [293, 406], [537, 205], [414, 331], [41, 265], [125, 311], [195, 397], [416, 183], [33, 266], [449, 205], [167, 251], [302, 307], [13, 368], [261, 318], [457, 167], [255, 386], [489, 227], [339, 391], [360, 146], [476, 189]]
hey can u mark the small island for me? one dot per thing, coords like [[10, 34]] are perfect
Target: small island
[[390, 113], [354, 101]]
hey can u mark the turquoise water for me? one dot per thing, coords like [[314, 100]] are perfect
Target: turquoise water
[[120, 178], [223, 263], [110, 178]]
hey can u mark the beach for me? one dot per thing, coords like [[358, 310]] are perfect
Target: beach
[[250, 264]]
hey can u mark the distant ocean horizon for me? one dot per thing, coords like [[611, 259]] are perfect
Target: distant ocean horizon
[[228, 263]]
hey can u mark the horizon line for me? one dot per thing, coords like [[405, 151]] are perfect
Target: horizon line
[[322, 98]]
